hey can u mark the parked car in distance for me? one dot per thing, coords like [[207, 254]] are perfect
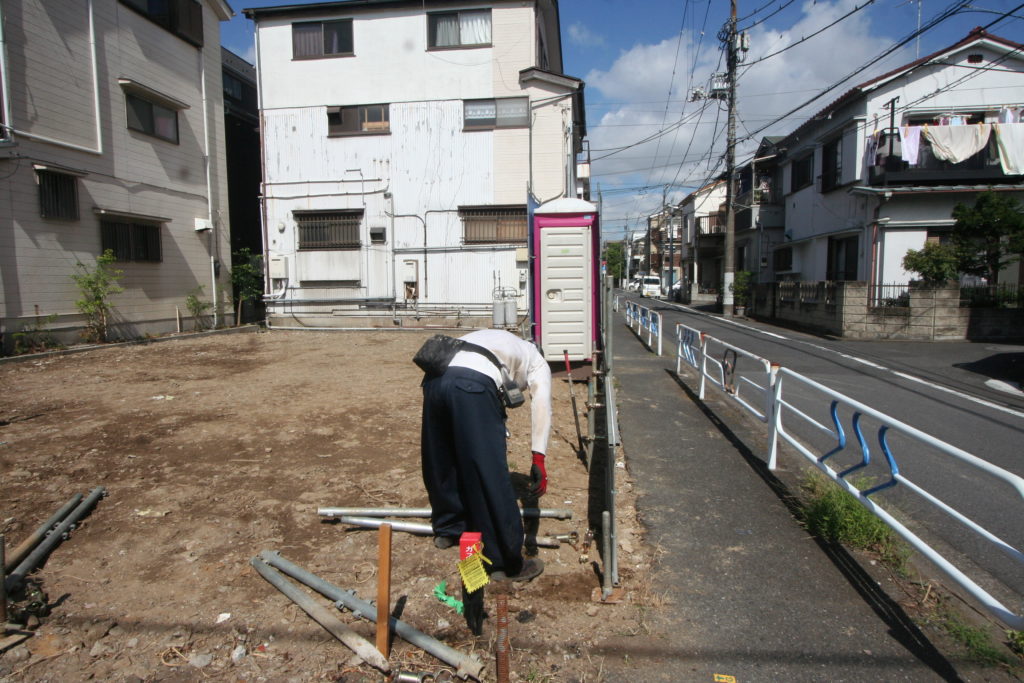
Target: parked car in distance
[[633, 285], [650, 285]]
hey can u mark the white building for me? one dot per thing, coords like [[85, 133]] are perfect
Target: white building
[[857, 197], [703, 237], [112, 138], [401, 142]]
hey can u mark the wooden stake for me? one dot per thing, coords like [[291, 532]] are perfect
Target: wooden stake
[[384, 589]]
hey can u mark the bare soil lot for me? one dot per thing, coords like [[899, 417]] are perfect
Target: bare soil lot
[[214, 448]]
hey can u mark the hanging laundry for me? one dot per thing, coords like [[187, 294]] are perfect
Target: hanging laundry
[[910, 139], [957, 143], [870, 148], [1010, 141]]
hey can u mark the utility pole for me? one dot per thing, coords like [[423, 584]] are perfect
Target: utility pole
[[731, 49]]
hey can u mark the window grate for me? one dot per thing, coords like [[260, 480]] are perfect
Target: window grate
[[58, 195], [131, 241], [329, 229], [491, 225]]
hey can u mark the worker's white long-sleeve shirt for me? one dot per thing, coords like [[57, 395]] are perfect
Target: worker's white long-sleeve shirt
[[527, 368]]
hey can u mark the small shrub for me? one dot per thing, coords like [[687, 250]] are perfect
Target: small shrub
[[1016, 641], [35, 338], [197, 308], [97, 285]]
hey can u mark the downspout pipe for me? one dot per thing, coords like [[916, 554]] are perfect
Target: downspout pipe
[[214, 242]]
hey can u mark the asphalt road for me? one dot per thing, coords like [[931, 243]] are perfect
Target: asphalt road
[[962, 393]]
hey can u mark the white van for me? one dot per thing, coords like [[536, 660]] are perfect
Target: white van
[[650, 285]]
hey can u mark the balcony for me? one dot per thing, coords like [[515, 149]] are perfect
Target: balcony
[[710, 225], [983, 167]]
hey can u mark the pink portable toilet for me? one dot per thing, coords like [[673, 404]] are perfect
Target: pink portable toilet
[[566, 243]]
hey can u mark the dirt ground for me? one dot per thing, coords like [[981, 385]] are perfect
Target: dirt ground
[[215, 448]]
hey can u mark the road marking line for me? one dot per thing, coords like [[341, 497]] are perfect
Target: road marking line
[[939, 387]]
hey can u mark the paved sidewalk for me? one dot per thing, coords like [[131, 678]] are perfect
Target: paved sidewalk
[[751, 594]]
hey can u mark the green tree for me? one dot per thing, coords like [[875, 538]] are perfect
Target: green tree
[[96, 286], [935, 263], [247, 279], [615, 259], [988, 235]]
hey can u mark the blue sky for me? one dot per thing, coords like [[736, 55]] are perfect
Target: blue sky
[[641, 60]]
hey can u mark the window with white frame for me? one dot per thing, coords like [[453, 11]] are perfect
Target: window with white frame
[[338, 229], [315, 39], [131, 239], [58, 195], [493, 224], [151, 118], [468, 28], [371, 119], [506, 112]]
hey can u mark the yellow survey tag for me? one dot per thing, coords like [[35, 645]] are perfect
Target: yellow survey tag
[[474, 576], [724, 678]]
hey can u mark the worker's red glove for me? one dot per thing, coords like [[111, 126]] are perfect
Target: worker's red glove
[[538, 475]]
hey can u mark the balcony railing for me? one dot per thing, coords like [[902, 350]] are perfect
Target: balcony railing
[[893, 170], [710, 225]]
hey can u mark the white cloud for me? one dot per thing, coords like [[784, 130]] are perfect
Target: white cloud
[[638, 81], [581, 35]]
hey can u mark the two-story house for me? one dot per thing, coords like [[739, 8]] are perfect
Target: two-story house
[[111, 138], [702, 221], [405, 144], [879, 170], [760, 215]]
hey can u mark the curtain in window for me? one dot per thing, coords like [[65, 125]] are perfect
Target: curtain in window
[[445, 30], [475, 27], [337, 38], [480, 113], [165, 123], [307, 40], [512, 111]]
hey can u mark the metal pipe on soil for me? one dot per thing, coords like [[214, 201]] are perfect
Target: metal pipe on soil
[[17, 578], [23, 549], [544, 513], [467, 665], [321, 615], [424, 528]]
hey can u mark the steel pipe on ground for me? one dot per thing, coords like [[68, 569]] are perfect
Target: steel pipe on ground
[[466, 665], [425, 529], [17, 578], [337, 628], [18, 554], [425, 512]]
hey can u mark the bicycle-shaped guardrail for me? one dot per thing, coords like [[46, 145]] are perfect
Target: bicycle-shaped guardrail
[[641, 319], [759, 387]]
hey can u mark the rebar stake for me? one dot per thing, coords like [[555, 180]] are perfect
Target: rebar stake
[[501, 640]]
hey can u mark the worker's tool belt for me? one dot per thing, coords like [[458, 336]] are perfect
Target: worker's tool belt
[[437, 352]]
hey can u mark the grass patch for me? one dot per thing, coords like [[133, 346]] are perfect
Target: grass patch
[[834, 515], [976, 641]]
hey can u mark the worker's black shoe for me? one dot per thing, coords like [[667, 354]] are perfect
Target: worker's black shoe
[[532, 568], [444, 542]]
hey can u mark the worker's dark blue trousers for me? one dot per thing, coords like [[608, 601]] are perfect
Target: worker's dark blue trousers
[[465, 468]]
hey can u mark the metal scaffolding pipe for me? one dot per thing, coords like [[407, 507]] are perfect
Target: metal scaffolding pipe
[[336, 627], [531, 513], [467, 666], [23, 549], [426, 530], [17, 578]]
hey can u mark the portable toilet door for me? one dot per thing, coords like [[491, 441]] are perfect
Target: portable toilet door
[[566, 279]]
